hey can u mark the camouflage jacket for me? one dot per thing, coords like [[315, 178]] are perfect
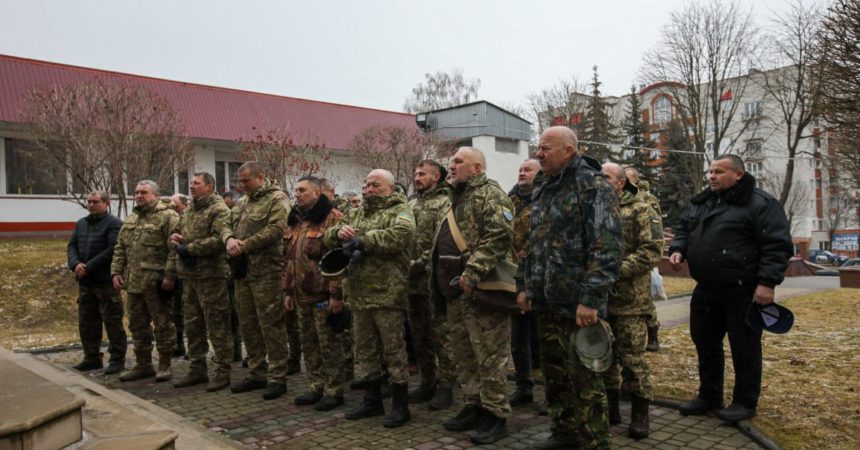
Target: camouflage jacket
[[142, 251], [429, 209], [646, 195], [303, 248], [631, 294], [483, 213], [522, 220], [574, 248], [203, 227], [259, 219], [386, 226]]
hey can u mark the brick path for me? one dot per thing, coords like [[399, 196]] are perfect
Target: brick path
[[279, 424]]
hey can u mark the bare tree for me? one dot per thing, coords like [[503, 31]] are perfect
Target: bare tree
[[560, 104], [442, 90], [105, 137], [397, 149], [287, 157], [792, 87], [797, 202], [708, 47], [836, 54]]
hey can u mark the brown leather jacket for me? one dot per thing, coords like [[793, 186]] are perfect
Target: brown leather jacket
[[303, 248]]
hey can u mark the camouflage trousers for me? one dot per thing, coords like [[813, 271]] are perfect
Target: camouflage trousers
[[480, 343], [429, 336], [262, 319], [629, 371], [576, 396], [146, 310], [101, 305], [207, 314], [323, 350], [378, 334], [348, 349], [294, 340], [651, 317]]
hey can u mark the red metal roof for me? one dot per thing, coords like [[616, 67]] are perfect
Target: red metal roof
[[208, 112]]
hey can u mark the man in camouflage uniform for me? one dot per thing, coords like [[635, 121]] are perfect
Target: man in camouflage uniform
[[139, 265], [572, 261], [90, 252], [202, 266], [378, 236], [628, 303], [313, 296], [523, 324], [429, 330], [179, 203], [230, 199], [479, 337], [256, 247], [645, 195]]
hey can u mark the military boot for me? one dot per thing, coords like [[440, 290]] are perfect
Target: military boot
[[639, 422], [179, 351], [142, 368], [220, 381], [614, 409], [491, 429], [192, 379], [371, 405], [399, 414], [443, 399], [422, 393], [164, 372], [653, 343], [89, 364], [560, 441], [467, 419]]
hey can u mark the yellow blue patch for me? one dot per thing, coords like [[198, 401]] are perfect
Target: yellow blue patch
[[509, 215]]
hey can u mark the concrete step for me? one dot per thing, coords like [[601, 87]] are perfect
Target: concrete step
[[35, 413], [49, 409]]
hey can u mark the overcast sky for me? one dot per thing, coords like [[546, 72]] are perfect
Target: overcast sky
[[364, 52]]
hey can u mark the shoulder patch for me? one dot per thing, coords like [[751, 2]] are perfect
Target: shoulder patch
[[509, 215], [404, 216]]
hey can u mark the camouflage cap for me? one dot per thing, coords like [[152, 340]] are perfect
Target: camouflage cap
[[593, 346]]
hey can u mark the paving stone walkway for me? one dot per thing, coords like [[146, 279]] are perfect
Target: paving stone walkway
[[279, 424]]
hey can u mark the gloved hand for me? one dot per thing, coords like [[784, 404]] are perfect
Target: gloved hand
[[188, 261], [355, 249]]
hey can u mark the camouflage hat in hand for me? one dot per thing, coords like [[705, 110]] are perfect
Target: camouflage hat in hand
[[593, 346]]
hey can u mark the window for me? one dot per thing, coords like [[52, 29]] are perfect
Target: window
[[751, 110], [662, 111], [28, 174], [507, 145], [753, 149], [754, 168], [754, 129], [226, 175]]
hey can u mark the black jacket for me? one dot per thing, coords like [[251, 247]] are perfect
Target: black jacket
[[735, 237], [92, 243]]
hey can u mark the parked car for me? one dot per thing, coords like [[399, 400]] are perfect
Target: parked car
[[853, 262], [826, 257]]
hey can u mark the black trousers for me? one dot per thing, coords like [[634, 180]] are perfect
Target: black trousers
[[524, 349], [713, 314]]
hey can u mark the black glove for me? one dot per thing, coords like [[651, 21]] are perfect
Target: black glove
[[339, 322], [188, 262], [355, 249]]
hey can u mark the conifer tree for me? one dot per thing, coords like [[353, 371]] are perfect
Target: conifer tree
[[634, 129], [675, 187], [597, 126]]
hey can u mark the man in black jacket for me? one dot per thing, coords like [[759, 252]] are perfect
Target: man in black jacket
[[90, 252], [736, 240]]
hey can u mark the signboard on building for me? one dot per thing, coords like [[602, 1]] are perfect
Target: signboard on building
[[846, 240]]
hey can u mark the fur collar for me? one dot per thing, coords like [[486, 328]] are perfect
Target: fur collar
[[738, 194], [317, 214]]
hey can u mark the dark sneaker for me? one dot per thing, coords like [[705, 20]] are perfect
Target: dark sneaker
[[328, 403], [88, 364], [274, 390], [698, 406], [735, 413], [114, 367], [247, 385], [308, 398], [519, 398]]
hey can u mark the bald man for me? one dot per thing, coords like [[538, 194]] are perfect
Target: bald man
[[481, 216], [630, 302], [378, 236], [574, 259]]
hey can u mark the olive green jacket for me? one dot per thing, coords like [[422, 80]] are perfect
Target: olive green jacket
[[429, 209], [204, 226], [631, 294], [142, 251], [386, 226], [259, 220]]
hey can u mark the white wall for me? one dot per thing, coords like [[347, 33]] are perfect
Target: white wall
[[502, 167]]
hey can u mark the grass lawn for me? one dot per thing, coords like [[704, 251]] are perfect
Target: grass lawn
[[678, 286], [811, 380], [38, 295]]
